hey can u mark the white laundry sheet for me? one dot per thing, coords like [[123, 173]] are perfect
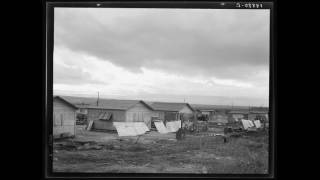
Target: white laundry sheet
[[130, 128], [173, 126], [250, 123], [161, 128], [142, 126], [247, 123], [257, 123]]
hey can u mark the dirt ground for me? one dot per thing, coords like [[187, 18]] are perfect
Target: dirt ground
[[92, 151]]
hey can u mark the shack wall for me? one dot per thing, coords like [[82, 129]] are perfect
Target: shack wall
[[159, 114], [170, 116], [139, 113], [117, 115], [103, 125], [64, 118]]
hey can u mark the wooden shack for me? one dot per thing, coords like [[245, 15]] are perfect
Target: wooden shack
[[169, 111], [64, 117], [106, 111]]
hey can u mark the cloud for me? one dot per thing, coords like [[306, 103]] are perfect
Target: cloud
[[232, 44], [83, 72], [66, 70], [169, 53]]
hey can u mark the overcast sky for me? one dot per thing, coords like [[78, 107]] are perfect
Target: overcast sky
[[205, 56]]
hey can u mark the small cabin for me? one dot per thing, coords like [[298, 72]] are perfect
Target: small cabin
[[104, 112], [64, 118], [168, 111]]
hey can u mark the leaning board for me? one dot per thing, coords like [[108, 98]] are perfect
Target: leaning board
[[89, 125]]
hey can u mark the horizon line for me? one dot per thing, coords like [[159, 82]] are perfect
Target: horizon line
[[228, 105]]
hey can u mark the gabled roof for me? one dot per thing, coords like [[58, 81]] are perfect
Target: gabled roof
[[66, 102], [116, 104], [168, 106]]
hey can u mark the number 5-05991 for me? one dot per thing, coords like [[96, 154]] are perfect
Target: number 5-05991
[[252, 5], [248, 5]]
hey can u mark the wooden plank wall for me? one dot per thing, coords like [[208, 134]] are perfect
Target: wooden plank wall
[[117, 115], [103, 125], [159, 114], [139, 113], [64, 118]]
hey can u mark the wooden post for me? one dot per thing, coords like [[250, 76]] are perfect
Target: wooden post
[[75, 123], [98, 99]]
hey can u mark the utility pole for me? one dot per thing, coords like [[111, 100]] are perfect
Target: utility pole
[[98, 99]]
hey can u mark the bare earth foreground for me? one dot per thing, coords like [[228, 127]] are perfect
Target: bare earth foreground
[[160, 153]]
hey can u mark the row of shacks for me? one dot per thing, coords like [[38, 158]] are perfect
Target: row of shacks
[[225, 114], [104, 112]]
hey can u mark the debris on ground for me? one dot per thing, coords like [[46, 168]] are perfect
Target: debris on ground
[[78, 145], [162, 153]]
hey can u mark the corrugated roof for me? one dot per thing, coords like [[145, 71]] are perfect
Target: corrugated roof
[[168, 106], [103, 103]]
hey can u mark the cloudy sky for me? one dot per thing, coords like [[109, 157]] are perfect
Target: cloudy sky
[[205, 56]]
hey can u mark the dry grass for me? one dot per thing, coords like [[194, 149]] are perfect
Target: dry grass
[[192, 155]]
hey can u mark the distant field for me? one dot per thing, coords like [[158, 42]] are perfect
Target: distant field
[[161, 153]]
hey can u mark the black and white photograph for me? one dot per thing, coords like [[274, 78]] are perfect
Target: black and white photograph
[[161, 90]]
